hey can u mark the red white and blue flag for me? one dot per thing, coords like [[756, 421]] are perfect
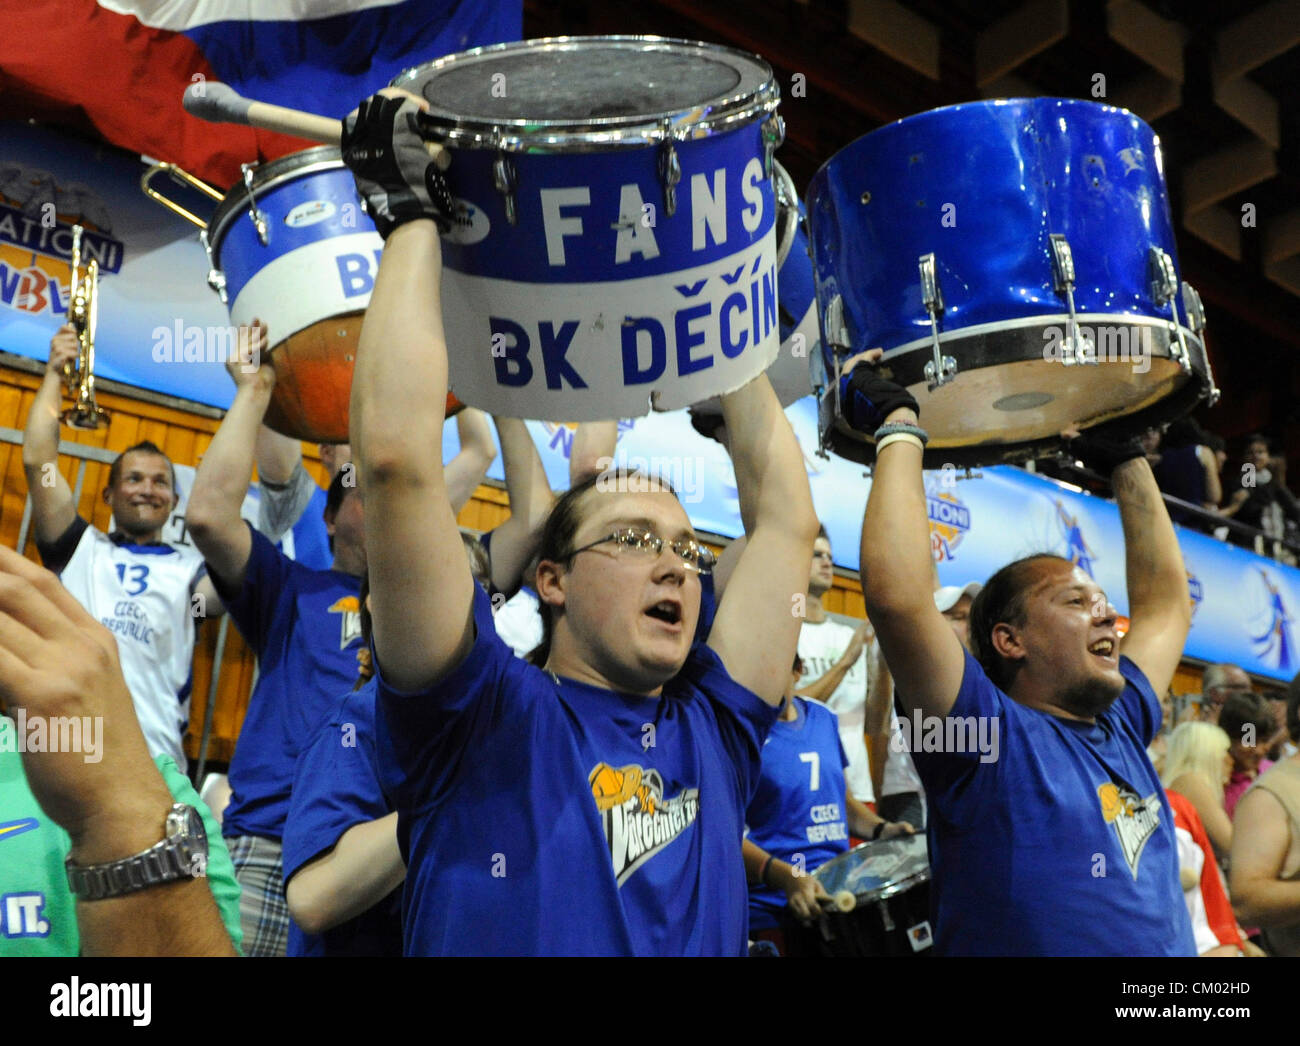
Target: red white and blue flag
[[118, 68]]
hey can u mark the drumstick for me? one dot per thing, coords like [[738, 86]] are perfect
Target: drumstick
[[221, 103], [844, 900]]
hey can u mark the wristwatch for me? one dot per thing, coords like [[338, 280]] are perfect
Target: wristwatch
[[183, 854]]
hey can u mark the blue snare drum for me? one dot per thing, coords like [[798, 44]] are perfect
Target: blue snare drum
[[792, 374], [616, 240], [1015, 260]]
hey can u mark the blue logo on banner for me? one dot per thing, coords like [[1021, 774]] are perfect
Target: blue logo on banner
[[1076, 548], [1274, 643]]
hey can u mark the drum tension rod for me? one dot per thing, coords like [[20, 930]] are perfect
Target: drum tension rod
[[505, 179], [216, 278], [1075, 350], [1164, 290], [941, 369], [670, 169], [1196, 320], [773, 136], [255, 212]]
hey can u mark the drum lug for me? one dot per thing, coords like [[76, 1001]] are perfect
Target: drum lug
[[1164, 291], [773, 136], [1075, 350], [941, 369], [216, 278], [1196, 320], [505, 179], [886, 918], [670, 171], [254, 212]]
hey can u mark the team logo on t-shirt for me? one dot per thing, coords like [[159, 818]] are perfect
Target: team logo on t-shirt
[[1135, 819], [639, 821], [350, 628]]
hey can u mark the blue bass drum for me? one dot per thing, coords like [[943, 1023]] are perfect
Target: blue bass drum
[[615, 245], [1015, 260]]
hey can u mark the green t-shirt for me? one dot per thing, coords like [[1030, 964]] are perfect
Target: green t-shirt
[[37, 910]]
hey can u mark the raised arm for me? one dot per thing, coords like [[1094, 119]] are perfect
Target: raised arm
[[896, 565], [53, 507], [593, 447], [756, 630], [277, 456], [1159, 607], [212, 516], [420, 584], [515, 540], [477, 452]]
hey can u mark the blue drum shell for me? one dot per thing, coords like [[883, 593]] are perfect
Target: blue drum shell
[[982, 186]]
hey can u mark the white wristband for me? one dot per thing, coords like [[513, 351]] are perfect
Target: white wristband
[[894, 437]]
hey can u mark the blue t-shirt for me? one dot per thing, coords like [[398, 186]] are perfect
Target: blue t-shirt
[[544, 817], [798, 813], [336, 787], [1061, 845], [305, 627]]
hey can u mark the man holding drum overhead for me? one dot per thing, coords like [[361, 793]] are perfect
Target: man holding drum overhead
[[593, 805], [1061, 843]]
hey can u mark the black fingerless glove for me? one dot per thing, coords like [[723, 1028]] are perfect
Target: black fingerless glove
[[396, 178], [869, 398], [1104, 452]]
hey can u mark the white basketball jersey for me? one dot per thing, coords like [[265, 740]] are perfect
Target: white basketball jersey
[[141, 593], [820, 646]]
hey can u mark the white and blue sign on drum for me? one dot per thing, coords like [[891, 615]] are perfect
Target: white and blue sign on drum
[[597, 297]]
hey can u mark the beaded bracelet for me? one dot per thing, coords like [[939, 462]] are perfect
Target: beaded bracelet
[[902, 427]]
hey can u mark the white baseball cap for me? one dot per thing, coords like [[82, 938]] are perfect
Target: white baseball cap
[[950, 595]]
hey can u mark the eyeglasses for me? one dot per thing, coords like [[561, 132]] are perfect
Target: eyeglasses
[[696, 557]]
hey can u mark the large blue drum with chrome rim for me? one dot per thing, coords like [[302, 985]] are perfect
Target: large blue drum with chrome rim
[[1015, 260], [615, 245]]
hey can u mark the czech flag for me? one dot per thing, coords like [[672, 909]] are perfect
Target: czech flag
[[118, 68]]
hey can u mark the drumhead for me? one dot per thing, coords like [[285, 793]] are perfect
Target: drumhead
[[265, 178], [567, 93], [876, 871]]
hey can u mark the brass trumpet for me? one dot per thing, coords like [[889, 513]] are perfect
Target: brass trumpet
[[83, 312]]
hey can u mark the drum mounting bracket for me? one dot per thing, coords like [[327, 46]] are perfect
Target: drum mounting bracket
[[505, 179], [254, 212], [1164, 291], [941, 369], [670, 169], [773, 136], [1076, 347]]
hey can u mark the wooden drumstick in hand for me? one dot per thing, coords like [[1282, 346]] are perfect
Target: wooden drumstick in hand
[[844, 900], [221, 103]]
